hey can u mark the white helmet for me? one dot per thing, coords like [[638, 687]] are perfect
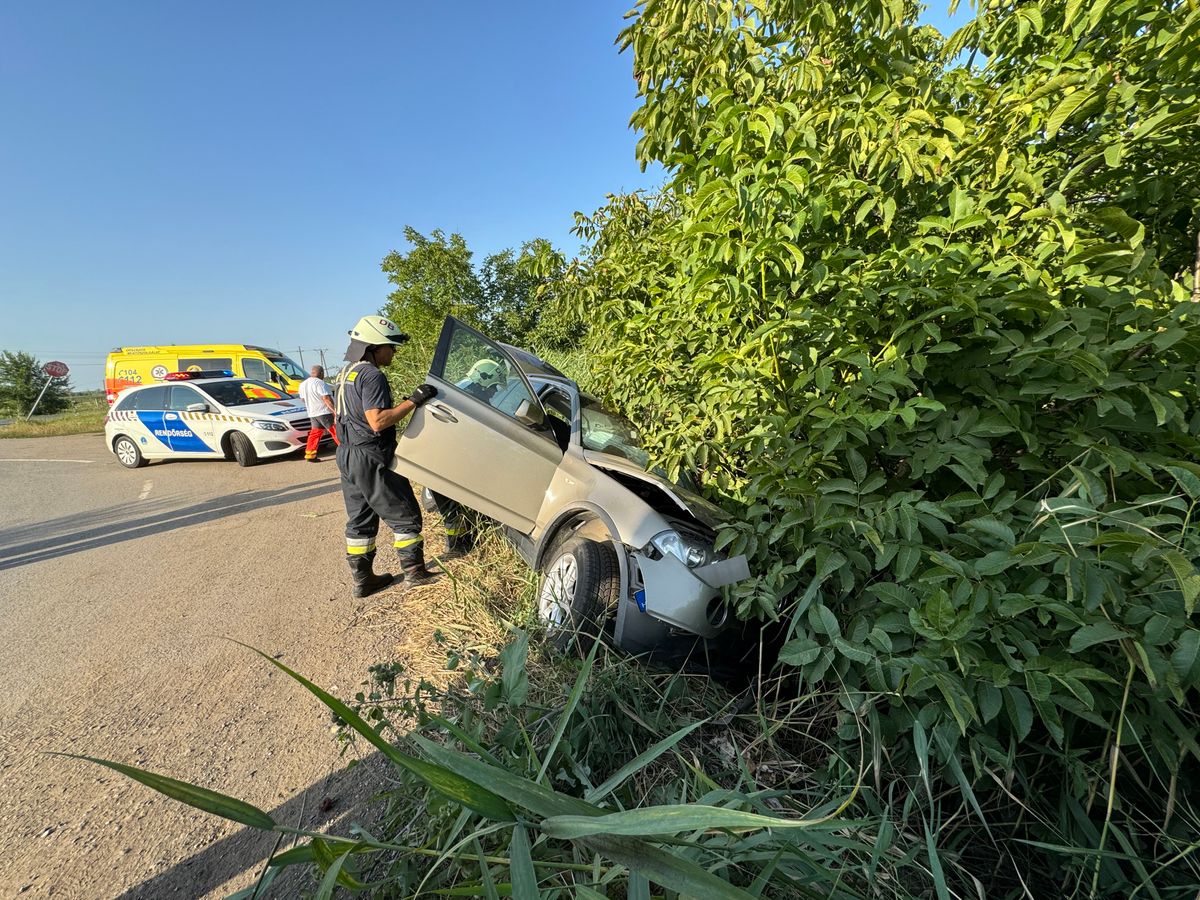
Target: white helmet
[[487, 371], [376, 331]]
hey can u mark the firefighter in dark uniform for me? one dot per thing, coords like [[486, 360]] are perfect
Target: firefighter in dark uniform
[[366, 419]]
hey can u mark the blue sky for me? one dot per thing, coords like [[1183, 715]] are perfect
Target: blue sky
[[178, 172]]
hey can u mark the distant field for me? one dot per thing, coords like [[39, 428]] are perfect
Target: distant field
[[85, 416]]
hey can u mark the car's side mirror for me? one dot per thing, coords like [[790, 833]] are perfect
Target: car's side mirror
[[197, 407], [530, 413]]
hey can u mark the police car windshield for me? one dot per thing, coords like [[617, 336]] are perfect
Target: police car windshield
[[242, 391]]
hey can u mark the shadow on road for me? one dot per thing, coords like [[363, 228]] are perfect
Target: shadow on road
[[329, 805], [109, 528]]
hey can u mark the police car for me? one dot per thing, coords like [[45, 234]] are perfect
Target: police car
[[204, 415]]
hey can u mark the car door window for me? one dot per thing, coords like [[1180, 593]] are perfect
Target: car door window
[[150, 398], [482, 370], [180, 398]]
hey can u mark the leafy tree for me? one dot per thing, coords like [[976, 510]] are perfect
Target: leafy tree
[[437, 277], [22, 380], [432, 280], [932, 324]]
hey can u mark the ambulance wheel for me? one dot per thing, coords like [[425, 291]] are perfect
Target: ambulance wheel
[[128, 453], [243, 449], [578, 591]]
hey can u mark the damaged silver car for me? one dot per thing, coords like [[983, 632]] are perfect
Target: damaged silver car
[[616, 544]]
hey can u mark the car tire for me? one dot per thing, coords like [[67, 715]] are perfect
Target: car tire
[[243, 449], [128, 453], [579, 588]]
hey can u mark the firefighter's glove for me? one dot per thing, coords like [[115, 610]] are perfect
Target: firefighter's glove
[[423, 393]]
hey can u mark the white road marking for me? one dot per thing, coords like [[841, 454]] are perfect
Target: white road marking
[[15, 459], [145, 490]]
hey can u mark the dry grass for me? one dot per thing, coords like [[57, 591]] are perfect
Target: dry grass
[[469, 610], [82, 420]]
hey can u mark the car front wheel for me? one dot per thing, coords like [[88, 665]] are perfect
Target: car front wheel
[[243, 449], [128, 453], [579, 588]]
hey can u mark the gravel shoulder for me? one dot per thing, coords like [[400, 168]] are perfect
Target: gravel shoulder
[[118, 591]]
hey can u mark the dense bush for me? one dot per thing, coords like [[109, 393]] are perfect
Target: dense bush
[[932, 325]]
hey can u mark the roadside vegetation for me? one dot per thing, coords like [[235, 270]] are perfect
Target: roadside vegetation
[[83, 414], [925, 313]]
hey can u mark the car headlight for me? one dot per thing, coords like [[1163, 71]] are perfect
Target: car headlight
[[270, 426], [687, 550]]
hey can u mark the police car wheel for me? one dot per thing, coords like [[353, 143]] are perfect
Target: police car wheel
[[243, 449], [579, 588], [128, 453]]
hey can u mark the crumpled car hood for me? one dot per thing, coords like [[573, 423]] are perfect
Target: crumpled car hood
[[707, 513]]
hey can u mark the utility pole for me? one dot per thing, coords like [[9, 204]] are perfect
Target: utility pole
[[301, 352]]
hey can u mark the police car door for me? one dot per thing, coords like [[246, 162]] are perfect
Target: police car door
[[480, 440], [191, 431]]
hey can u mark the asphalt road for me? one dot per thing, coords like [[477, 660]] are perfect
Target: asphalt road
[[117, 590]]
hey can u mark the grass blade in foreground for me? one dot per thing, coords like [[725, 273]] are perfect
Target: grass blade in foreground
[[194, 796], [445, 782], [668, 820], [658, 865]]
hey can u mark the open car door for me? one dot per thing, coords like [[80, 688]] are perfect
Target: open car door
[[482, 440]]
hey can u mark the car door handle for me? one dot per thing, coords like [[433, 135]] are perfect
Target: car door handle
[[442, 413]]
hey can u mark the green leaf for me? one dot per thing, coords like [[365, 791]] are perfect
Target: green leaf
[[990, 525], [520, 865], [197, 797], [1187, 576], [823, 621], [513, 676], [1187, 480], [850, 651], [1065, 109], [799, 652], [1090, 635], [569, 710], [646, 757], [1183, 660]]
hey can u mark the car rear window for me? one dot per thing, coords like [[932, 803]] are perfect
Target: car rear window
[[149, 398]]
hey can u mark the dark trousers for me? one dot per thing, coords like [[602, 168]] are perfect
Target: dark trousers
[[372, 492]]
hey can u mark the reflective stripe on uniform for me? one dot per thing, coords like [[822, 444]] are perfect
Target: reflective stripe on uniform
[[406, 540], [359, 546]]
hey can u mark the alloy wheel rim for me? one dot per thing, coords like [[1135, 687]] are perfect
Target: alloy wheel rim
[[558, 589], [127, 452]]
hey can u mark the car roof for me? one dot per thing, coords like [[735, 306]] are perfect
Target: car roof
[[530, 363]]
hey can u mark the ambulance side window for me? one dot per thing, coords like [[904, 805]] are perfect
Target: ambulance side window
[[255, 369]]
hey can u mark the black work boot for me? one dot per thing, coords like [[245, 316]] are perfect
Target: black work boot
[[412, 564], [366, 582], [459, 542]]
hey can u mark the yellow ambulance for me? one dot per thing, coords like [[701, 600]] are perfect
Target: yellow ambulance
[[130, 366]]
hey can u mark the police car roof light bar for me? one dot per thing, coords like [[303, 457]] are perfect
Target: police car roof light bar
[[188, 376]]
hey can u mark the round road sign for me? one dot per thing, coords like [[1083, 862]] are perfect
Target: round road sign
[[56, 369]]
